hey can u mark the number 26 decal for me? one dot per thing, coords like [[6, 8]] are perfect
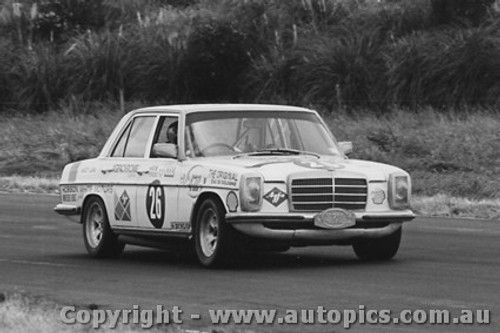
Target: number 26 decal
[[155, 204]]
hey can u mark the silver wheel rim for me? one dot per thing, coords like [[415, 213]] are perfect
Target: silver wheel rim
[[94, 225], [209, 232]]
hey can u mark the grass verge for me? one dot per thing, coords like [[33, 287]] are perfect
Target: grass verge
[[454, 159], [440, 205], [22, 313]]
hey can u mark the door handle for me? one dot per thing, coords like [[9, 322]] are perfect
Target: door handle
[[105, 171], [142, 172]]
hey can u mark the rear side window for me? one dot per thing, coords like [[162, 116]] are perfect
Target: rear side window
[[134, 140]]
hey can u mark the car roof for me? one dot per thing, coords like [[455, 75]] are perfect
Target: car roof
[[189, 108]]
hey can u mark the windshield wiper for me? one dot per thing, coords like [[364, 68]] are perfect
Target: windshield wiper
[[278, 151]]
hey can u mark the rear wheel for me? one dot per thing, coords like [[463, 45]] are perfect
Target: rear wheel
[[378, 249], [98, 237], [214, 239]]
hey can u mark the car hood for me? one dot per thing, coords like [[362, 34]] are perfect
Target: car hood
[[277, 168]]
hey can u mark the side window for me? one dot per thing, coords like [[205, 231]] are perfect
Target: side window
[[163, 127], [135, 138], [165, 137], [120, 146]]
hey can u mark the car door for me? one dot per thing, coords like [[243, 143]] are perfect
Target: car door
[[157, 189], [122, 170]]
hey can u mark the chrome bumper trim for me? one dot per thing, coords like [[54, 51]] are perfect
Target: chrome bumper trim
[[260, 231], [67, 210], [389, 217]]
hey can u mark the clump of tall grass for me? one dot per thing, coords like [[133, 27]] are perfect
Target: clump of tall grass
[[343, 69], [445, 68], [39, 79], [97, 63]]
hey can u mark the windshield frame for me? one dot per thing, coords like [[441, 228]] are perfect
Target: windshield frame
[[280, 115]]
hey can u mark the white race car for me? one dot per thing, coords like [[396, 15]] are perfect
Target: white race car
[[231, 177]]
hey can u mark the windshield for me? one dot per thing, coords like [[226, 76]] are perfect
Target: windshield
[[257, 133]]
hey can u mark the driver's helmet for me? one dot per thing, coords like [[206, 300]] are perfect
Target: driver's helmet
[[172, 133]]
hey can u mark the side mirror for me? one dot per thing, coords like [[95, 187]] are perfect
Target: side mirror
[[166, 150], [346, 147]]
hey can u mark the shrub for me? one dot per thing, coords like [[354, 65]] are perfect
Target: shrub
[[7, 58], [344, 69], [216, 57], [454, 11], [55, 20], [445, 68], [38, 79], [394, 19], [97, 63], [153, 70]]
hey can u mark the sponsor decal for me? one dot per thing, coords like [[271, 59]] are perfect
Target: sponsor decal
[[155, 204], [275, 197], [232, 201], [318, 165], [73, 193], [218, 177], [194, 179], [159, 172], [198, 176], [125, 168], [69, 189], [122, 207], [378, 196], [181, 226], [69, 197], [105, 189], [167, 172], [69, 193]]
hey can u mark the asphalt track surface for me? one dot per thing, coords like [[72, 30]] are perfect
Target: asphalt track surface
[[442, 264]]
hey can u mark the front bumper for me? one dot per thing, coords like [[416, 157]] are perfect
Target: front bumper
[[67, 210], [374, 225], [387, 217]]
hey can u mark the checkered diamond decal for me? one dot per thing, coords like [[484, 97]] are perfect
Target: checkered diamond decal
[[122, 207], [275, 197]]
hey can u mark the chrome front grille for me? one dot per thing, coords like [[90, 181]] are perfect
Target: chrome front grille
[[317, 194]]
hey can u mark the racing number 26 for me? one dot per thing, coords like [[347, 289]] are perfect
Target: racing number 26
[[155, 204], [156, 197]]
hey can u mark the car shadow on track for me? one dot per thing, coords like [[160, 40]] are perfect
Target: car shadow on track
[[254, 261]]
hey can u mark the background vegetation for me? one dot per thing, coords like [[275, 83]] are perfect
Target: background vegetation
[[331, 54], [414, 83]]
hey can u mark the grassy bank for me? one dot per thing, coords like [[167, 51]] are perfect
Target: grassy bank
[[24, 313], [453, 158]]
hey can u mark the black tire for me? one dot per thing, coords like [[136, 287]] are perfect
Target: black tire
[[378, 249], [99, 239], [215, 240]]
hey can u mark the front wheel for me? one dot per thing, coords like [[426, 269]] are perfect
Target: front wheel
[[215, 240], [378, 249], [98, 237]]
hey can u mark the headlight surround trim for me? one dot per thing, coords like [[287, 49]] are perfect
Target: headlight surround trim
[[399, 190], [251, 192]]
